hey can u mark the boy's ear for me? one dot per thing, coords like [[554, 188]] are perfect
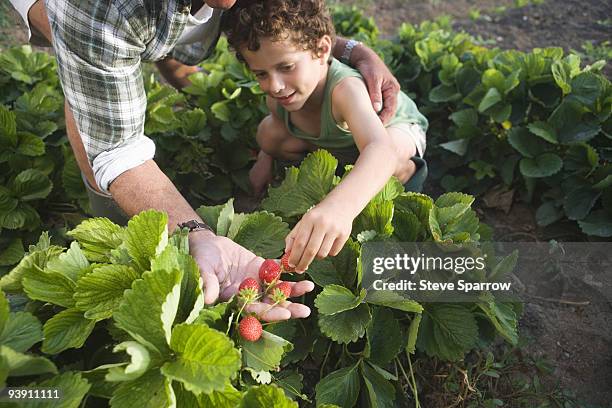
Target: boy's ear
[[324, 48]]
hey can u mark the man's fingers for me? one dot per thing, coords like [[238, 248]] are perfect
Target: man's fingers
[[283, 311], [389, 95], [211, 287], [268, 312], [375, 90], [299, 288]]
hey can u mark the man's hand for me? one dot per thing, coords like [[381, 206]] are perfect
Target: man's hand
[[382, 85], [225, 264]]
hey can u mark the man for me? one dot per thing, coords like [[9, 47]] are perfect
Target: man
[[99, 47]]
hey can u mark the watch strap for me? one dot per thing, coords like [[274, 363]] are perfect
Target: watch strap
[[348, 50], [195, 225]]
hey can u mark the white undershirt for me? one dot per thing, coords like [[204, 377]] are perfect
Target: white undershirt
[[196, 26]]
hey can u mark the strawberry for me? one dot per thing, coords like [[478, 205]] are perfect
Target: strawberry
[[248, 289], [250, 328], [281, 292], [269, 271], [285, 262]]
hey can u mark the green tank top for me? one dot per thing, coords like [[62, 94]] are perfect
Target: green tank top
[[332, 135]]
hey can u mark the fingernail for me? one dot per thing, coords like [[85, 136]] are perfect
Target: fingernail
[[377, 106]]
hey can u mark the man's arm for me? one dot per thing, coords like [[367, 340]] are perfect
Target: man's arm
[[382, 85]]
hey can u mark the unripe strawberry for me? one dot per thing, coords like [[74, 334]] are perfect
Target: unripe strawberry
[[269, 271], [248, 289], [281, 292], [285, 262], [250, 328]]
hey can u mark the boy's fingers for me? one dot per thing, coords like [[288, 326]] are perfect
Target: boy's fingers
[[299, 244], [312, 248], [326, 246], [338, 245]]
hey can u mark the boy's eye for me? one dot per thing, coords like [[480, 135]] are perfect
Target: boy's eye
[[288, 67], [260, 75]]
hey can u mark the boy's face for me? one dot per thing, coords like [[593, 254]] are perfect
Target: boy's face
[[220, 4], [287, 73]]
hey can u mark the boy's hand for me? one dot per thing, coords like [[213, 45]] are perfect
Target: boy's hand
[[383, 87], [225, 264], [322, 231]]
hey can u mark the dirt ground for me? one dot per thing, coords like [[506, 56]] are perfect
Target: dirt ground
[[576, 339]]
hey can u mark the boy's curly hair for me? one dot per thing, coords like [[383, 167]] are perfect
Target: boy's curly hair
[[303, 22]]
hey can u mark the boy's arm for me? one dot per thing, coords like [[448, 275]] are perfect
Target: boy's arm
[[324, 229], [383, 87]]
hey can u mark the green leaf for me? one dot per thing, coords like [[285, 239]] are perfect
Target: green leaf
[[138, 365], [491, 98], [524, 142], [146, 237], [598, 223], [52, 287], [335, 299], [263, 234], [579, 132], [226, 216], [229, 398], [385, 337], [206, 359], [72, 264], [98, 236], [303, 187], [99, 293], [459, 147], [393, 300], [561, 73], [447, 331], [323, 273], [502, 316], [544, 165], [221, 111], [31, 184], [30, 145], [376, 216], [413, 333], [380, 392], [149, 309], [579, 203], [543, 130], [12, 253], [8, 127], [5, 309], [266, 353], [346, 327], [67, 329], [548, 213], [19, 364], [266, 396], [154, 391], [192, 298], [21, 331], [210, 214], [586, 88], [73, 386], [340, 388], [444, 93], [36, 260], [464, 118]]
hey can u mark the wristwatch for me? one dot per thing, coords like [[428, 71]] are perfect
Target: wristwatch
[[348, 50], [194, 225]]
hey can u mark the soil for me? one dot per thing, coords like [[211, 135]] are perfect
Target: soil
[[576, 339]]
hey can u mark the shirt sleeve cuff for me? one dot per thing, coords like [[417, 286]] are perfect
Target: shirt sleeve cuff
[[108, 165]]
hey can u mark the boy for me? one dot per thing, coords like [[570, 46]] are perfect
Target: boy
[[315, 101]]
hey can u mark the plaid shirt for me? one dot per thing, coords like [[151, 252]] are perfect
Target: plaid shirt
[[99, 47]]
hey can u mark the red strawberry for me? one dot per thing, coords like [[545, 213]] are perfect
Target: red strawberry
[[285, 262], [269, 271], [248, 289], [250, 328], [281, 292]]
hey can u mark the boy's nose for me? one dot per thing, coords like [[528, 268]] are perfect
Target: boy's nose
[[276, 86]]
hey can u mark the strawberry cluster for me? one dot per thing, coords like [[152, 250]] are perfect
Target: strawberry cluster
[[278, 291]]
